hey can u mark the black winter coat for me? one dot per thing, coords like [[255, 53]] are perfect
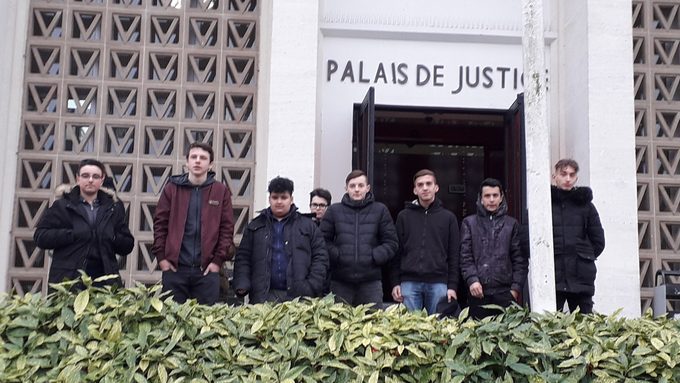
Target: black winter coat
[[578, 239], [66, 229], [490, 251], [308, 259], [429, 244], [360, 238]]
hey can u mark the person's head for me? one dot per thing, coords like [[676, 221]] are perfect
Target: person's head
[[90, 177], [356, 185], [491, 194], [319, 199], [200, 157], [425, 186], [280, 196], [566, 174]]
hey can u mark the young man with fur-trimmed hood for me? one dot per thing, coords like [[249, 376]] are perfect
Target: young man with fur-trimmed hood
[[578, 238], [86, 228]]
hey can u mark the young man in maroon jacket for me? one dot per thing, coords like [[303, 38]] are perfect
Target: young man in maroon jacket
[[193, 229]]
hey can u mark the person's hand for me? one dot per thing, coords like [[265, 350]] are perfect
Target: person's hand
[[476, 290], [396, 294], [212, 268], [515, 295], [165, 265], [451, 295]]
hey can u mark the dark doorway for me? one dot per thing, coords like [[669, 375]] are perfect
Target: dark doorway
[[462, 147]]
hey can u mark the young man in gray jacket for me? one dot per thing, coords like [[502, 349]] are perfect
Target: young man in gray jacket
[[491, 261]]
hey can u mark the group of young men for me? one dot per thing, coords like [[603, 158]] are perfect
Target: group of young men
[[342, 249]]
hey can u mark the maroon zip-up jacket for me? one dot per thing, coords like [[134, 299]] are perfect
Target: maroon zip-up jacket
[[217, 222]]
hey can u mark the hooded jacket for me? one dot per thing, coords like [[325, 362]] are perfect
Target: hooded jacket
[[216, 220], [360, 238], [429, 244], [304, 245], [65, 228], [578, 239], [490, 251]]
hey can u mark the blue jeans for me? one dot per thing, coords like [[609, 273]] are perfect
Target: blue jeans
[[421, 294]]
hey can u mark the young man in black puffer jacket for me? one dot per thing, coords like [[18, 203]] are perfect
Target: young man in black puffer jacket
[[361, 238], [491, 261], [578, 238]]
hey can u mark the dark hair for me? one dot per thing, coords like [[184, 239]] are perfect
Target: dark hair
[[280, 185], [93, 162], [566, 162], [491, 182], [319, 192], [202, 145], [424, 172], [354, 174]]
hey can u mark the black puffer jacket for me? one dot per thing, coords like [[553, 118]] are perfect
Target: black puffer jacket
[[308, 260], [578, 239], [429, 243], [360, 237], [66, 229], [490, 251]]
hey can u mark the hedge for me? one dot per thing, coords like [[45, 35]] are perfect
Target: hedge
[[139, 335]]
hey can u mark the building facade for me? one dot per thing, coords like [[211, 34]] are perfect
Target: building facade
[[310, 89]]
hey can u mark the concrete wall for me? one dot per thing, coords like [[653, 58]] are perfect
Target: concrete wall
[[287, 98], [14, 20]]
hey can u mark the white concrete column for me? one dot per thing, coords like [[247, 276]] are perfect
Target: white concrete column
[[597, 125], [287, 123], [537, 138], [14, 18]]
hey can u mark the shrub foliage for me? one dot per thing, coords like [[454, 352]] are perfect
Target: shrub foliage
[[138, 335]]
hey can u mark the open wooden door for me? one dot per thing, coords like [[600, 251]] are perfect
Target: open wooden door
[[363, 135], [515, 160]]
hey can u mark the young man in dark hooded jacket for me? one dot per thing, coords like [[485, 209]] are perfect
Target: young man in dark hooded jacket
[[86, 228], [360, 238], [282, 254], [578, 238], [193, 229], [426, 268], [491, 261]]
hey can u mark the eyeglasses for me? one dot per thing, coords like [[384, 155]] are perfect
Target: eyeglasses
[[88, 176], [318, 205]]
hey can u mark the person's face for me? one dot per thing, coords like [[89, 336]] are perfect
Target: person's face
[[90, 179], [565, 178], [280, 203], [198, 162], [357, 188], [425, 187], [318, 206], [491, 198]]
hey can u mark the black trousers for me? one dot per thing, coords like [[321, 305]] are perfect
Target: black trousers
[[190, 283], [583, 301], [503, 299], [358, 293]]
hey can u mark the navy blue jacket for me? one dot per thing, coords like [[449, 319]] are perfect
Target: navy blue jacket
[[307, 257]]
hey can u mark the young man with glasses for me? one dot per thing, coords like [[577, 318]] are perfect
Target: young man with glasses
[[319, 200], [86, 228]]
